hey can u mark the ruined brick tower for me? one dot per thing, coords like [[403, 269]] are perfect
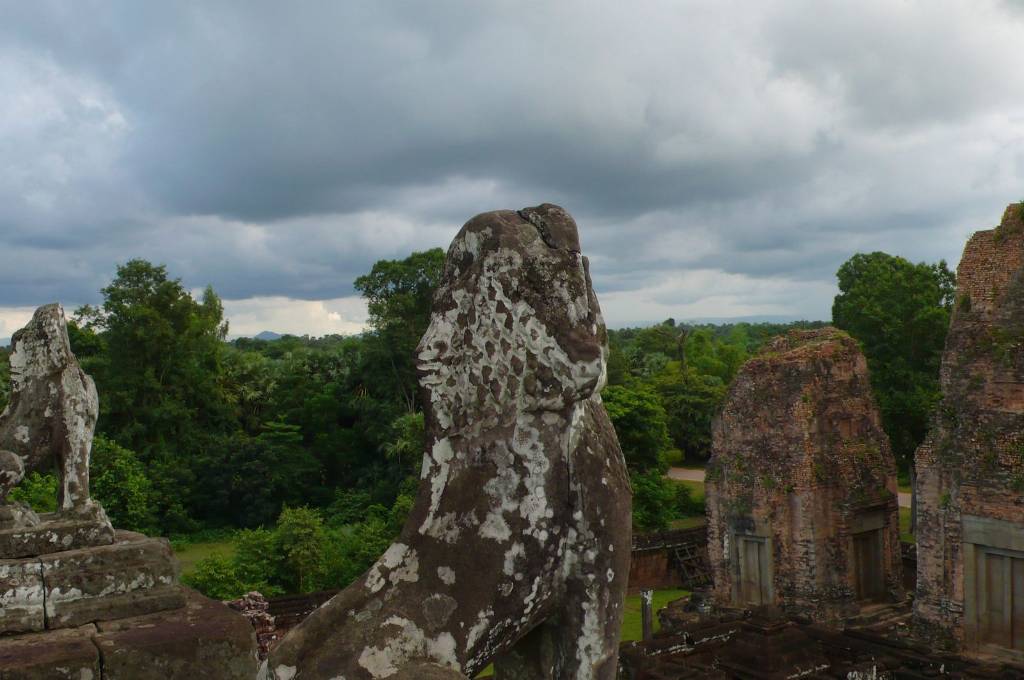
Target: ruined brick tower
[[801, 488], [970, 469]]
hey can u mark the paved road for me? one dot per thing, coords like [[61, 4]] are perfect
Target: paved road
[[691, 475]]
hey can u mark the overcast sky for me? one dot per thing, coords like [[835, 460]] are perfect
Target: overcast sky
[[721, 158]]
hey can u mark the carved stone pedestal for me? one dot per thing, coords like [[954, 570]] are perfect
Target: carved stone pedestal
[[133, 575], [201, 639], [54, 533], [114, 611]]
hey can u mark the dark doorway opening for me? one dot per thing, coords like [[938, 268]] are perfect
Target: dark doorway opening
[[868, 569], [754, 570], [1000, 585]]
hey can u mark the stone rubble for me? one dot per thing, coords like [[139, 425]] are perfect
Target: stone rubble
[[254, 607]]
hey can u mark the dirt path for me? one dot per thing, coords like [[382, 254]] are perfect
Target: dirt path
[[697, 475], [686, 474]]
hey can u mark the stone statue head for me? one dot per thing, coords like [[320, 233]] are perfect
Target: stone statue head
[[516, 325], [40, 348]]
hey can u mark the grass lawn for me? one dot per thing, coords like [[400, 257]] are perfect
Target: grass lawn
[[632, 624], [696, 489], [905, 534], [190, 554], [688, 522]]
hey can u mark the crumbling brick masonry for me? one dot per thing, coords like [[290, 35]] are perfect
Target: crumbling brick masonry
[[970, 469], [801, 487]]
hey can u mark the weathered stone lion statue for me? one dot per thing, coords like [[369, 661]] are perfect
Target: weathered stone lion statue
[[49, 420], [517, 549]]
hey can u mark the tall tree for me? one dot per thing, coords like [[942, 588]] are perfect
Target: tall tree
[[899, 311], [160, 382], [399, 294], [641, 425], [691, 400]]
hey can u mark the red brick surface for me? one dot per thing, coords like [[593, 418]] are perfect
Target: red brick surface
[[799, 452]]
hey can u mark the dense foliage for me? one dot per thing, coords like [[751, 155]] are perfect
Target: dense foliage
[[311, 446], [195, 432], [899, 311], [303, 553], [666, 383]]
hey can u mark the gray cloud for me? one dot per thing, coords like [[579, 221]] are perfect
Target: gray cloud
[[715, 153]]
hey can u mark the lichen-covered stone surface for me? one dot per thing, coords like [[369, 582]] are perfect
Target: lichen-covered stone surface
[[50, 418], [203, 639], [22, 598], [68, 654], [77, 599], [520, 536], [54, 533], [135, 575], [801, 488], [970, 469]]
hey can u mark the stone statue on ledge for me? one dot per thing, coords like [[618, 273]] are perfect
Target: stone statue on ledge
[[77, 598], [517, 550], [48, 425]]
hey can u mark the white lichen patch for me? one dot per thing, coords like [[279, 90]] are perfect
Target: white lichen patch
[[517, 550], [445, 528], [408, 643], [483, 622], [398, 563], [590, 647], [283, 672], [447, 575], [437, 467], [495, 527]]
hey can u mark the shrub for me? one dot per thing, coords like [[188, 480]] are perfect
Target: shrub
[[640, 424], [216, 577], [686, 504], [301, 554], [300, 541], [654, 501], [349, 507], [257, 560], [119, 482], [37, 491]]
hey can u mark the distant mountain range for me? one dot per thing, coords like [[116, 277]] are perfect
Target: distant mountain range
[[723, 320], [270, 336], [757, 318]]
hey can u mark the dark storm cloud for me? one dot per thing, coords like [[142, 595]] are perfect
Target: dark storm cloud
[[716, 154]]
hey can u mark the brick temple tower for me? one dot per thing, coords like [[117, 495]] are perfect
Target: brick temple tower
[[801, 488], [970, 469]]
